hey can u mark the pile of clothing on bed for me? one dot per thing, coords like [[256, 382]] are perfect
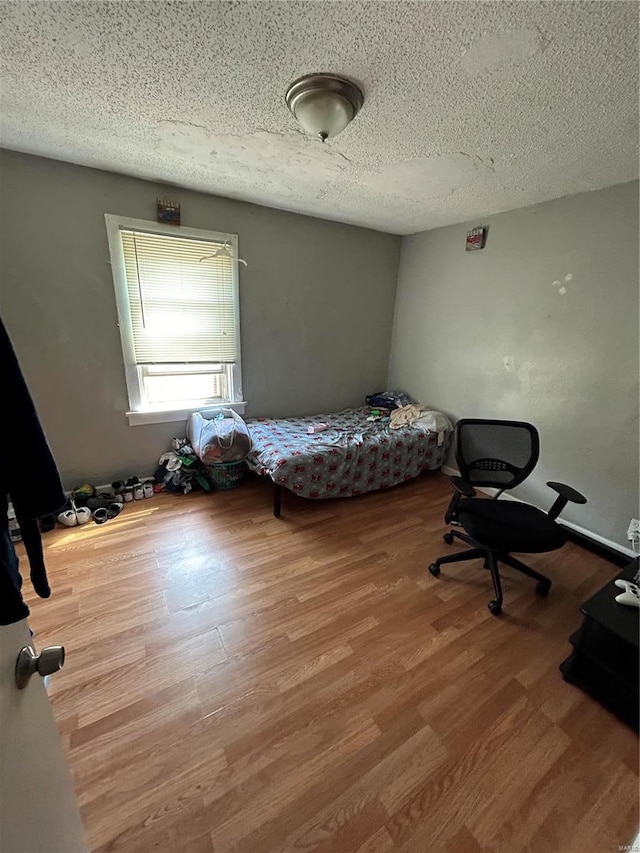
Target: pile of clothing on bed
[[405, 411]]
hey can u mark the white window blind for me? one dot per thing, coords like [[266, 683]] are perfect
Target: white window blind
[[182, 310]]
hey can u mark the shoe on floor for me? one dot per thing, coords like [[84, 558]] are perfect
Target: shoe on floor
[[114, 509], [102, 500], [68, 518], [81, 493], [46, 523], [83, 514]]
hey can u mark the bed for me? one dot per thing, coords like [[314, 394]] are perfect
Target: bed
[[353, 456]]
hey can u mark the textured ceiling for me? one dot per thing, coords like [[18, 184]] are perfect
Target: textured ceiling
[[470, 108]]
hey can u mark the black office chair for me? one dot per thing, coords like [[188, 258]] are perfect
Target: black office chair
[[501, 454]]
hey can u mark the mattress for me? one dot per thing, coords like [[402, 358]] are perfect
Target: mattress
[[351, 457]]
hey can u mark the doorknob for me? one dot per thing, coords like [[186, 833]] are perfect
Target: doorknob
[[49, 660]]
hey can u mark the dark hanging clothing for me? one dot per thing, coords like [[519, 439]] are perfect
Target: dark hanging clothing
[[29, 478]]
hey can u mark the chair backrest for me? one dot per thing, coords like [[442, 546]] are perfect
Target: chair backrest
[[499, 454]]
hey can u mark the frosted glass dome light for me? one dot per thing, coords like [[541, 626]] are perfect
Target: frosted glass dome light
[[324, 104]]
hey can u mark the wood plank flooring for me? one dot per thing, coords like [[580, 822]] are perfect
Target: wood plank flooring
[[240, 683]]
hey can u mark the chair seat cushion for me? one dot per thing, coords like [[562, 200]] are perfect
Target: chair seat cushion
[[510, 526]]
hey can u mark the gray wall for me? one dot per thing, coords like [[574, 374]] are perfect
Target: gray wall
[[490, 334], [316, 308]]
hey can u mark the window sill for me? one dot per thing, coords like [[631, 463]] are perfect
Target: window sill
[[165, 416]]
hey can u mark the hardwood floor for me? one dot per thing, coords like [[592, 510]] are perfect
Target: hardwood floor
[[240, 683]]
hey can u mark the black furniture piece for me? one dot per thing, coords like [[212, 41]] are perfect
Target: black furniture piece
[[501, 454], [604, 662]]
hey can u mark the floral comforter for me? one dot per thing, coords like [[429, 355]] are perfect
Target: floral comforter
[[352, 456]]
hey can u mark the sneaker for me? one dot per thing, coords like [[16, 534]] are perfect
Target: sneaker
[[68, 518], [147, 490], [100, 515], [83, 514], [138, 492], [114, 509], [102, 500], [46, 523], [81, 493]]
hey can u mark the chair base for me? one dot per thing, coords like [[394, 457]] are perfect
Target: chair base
[[491, 560]]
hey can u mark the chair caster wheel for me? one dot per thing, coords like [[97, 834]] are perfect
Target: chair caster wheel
[[495, 608], [434, 568], [543, 588], [448, 538]]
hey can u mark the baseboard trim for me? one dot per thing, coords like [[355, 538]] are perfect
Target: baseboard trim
[[600, 545], [450, 472], [616, 554]]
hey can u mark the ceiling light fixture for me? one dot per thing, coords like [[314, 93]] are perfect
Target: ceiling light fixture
[[324, 104]]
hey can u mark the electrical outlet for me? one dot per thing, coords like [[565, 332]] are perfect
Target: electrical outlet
[[633, 531]]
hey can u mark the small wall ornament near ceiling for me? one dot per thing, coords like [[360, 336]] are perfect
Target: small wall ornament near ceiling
[[477, 238], [324, 104], [168, 211]]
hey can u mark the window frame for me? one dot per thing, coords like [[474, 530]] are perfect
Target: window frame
[[138, 413], [147, 371]]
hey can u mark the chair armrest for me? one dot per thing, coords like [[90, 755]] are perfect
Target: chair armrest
[[463, 487], [565, 494]]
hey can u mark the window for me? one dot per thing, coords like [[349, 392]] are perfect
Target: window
[[178, 316]]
